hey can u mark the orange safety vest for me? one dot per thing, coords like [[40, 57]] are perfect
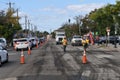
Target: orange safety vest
[[64, 41], [87, 41]]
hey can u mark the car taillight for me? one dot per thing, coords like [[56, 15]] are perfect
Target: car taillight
[[26, 42], [17, 43]]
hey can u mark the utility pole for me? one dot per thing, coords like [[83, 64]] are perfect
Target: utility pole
[[35, 29], [17, 14], [10, 5], [10, 10], [25, 22], [29, 25]]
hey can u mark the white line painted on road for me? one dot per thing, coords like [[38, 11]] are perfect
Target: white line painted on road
[[86, 73], [103, 56], [11, 54], [10, 79]]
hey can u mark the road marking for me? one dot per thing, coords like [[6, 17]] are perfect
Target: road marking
[[103, 56], [81, 48], [70, 60], [10, 79], [11, 54], [86, 73]]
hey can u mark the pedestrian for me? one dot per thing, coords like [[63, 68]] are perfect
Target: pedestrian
[[64, 43], [97, 40]]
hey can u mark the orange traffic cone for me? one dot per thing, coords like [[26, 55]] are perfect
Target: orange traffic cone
[[84, 58], [22, 58], [29, 51], [37, 45]]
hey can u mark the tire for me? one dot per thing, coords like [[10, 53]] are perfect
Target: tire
[[7, 58], [16, 49], [0, 62]]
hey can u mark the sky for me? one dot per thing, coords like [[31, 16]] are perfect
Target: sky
[[49, 15]]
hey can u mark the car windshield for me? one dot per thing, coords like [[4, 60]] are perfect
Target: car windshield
[[22, 40], [60, 34], [1, 41], [33, 39], [77, 37]]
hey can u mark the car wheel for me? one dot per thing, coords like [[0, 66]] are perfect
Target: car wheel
[[7, 58], [56, 43], [16, 49], [0, 62], [73, 45]]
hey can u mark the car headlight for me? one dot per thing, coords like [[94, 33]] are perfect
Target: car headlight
[[73, 41]]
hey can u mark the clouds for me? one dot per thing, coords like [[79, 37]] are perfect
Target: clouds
[[84, 7], [52, 17], [54, 10]]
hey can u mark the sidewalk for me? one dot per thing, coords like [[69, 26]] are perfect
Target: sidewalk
[[104, 47]]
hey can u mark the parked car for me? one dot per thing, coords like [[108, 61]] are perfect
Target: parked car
[[3, 42], [23, 43], [102, 39], [42, 39], [76, 40], [112, 39], [119, 40], [3, 55], [34, 41]]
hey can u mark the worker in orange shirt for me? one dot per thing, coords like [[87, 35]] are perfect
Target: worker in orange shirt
[[64, 43], [85, 43]]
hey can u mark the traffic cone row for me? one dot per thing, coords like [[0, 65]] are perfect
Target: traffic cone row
[[22, 58], [29, 51], [84, 57]]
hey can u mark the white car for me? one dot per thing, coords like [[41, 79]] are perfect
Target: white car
[[76, 40], [22, 43], [3, 55], [3, 42]]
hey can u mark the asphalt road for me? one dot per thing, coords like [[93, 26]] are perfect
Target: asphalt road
[[49, 62]]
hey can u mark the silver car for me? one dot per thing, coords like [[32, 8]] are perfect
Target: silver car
[[3, 55], [76, 40], [3, 42]]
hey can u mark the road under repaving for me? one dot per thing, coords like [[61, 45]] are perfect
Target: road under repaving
[[49, 62]]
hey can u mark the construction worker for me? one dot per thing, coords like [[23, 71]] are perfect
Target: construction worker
[[64, 43], [85, 43]]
